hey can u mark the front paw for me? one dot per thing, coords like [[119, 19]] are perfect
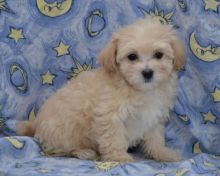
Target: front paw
[[119, 157], [168, 155], [173, 156]]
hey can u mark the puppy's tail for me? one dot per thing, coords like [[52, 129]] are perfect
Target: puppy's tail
[[26, 128]]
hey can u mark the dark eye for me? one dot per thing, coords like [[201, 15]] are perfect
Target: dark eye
[[158, 55], [132, 57]]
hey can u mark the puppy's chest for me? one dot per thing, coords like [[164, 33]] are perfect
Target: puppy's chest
[[142, 118]]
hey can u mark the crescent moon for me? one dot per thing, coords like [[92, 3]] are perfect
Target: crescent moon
[[54, 9], [207, 54], [95, 13], [24, 86]]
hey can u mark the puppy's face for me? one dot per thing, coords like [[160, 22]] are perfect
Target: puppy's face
[[144, 54]]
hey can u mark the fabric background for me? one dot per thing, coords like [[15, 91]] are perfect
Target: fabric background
[[44, 43]]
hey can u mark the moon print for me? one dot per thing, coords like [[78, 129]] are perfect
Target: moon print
[[207, 54], [54, 9], [95, 23], [18, 77]]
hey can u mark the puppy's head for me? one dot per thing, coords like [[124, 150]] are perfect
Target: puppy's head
[[144, 54]]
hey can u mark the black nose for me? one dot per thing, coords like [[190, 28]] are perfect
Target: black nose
[[147, 74]]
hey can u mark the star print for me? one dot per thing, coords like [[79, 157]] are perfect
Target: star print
[[209, 117], [16, 34], [48, 78], [62, 49], [211, 5], [216, 95]]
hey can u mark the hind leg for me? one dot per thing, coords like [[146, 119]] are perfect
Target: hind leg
[[25, 128], [85, 154]]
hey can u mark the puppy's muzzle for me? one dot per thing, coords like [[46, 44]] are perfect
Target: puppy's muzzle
[[147, 74]]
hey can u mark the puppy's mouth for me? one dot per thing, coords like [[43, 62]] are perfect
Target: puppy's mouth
[[148, 80]]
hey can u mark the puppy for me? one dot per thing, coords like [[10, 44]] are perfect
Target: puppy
[[125, 102]]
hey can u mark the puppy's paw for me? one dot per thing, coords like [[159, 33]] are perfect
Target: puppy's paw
[[168, 155], [125, 159], [121, 158], [175, 156]]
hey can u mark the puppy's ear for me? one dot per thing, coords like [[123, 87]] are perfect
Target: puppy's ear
[[107, 56], [179, 53]]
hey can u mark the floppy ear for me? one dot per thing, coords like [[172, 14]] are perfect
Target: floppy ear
[[107, 56], [179, 53]]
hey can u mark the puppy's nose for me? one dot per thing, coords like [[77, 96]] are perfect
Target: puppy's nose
[[147, 74]]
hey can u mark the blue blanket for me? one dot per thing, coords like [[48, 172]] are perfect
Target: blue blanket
[[44, 43]]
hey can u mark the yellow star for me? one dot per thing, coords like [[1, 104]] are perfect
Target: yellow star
[[48, 78], [211, 5], [16, 34], [62, 49], [209, 117], [216, 95]]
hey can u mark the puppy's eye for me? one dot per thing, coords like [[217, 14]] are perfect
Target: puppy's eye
[[158, 55], [132, 57]]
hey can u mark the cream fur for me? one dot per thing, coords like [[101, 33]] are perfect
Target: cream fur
[[104, 111]]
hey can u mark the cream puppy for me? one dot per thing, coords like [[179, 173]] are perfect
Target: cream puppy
[[125, 102]]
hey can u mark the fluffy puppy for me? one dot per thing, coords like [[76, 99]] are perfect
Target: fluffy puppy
[[125, 102]]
